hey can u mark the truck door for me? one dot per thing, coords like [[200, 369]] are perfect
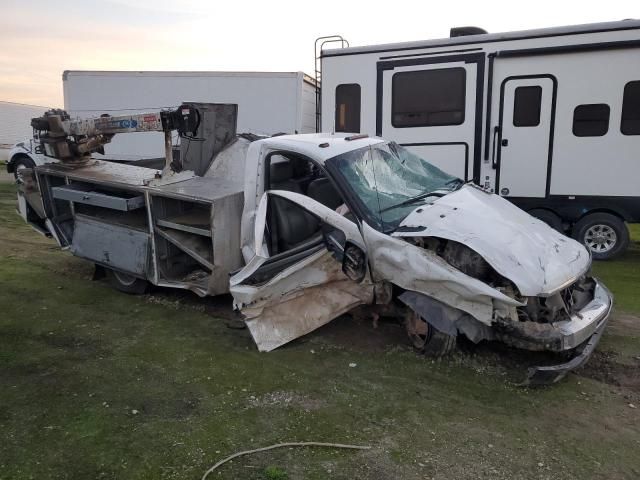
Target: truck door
[[291, 293], [431, 106], [524, 137]]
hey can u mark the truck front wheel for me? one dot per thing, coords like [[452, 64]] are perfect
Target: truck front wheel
[[426, 339], [127, 283], [606, 235]]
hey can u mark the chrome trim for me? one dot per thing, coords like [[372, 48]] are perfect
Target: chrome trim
[[584, 323]]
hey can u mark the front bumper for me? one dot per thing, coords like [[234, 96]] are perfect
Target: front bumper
[[582, 332]]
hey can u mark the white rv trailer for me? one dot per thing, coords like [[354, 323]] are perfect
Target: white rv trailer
[[549, 118]]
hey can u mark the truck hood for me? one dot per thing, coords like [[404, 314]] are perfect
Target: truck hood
[[535, 257]]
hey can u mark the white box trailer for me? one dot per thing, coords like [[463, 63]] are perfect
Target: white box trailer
[[549, 118], [268, 102]]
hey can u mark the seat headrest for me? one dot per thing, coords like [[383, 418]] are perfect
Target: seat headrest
[[280, 172]]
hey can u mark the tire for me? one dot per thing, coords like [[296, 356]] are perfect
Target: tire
[[127, 283], [604, 234], [425, 339], [20, 162], [548, 217]]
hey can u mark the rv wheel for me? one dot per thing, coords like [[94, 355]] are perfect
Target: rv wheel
[[604, 234], [549, 218], [127, 283], [426, 339]]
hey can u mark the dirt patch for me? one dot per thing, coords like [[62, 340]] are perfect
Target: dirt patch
[[624, 325], [179, 407], [360, 333], [285, 399], [603, 367], [79, 346]]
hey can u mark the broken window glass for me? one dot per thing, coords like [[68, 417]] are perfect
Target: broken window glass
[[385, 175]]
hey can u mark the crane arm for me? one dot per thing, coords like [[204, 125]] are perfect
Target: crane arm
[[70, 140]]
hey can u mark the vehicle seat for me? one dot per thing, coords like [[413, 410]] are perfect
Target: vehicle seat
[[323, 191], [293, 224]]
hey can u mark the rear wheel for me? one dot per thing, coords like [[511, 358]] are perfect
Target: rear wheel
[[426, 339], [604, 234], [127, 283]]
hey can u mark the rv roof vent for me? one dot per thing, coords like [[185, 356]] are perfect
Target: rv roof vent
[[463, 31]]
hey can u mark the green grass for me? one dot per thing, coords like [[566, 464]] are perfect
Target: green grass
[[275, 473], [622, 275], [95, 384]]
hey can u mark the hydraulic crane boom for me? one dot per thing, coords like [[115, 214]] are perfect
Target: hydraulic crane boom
[[73, 141]]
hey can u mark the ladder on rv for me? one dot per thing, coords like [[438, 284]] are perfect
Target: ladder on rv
[[319, 45]]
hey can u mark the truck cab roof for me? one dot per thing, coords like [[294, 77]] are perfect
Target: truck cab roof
[[321, 146]]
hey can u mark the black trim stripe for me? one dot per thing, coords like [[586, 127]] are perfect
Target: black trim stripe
[[477, 58], [433, 53], [487, 132], [552, 126], [429, 144], [572, 208], [583, 47], [478, 41]]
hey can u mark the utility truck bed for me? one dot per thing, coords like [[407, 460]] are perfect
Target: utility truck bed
[[179, 231]]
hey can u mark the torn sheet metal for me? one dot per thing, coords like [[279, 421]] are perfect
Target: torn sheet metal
[[446, 319], [534, 256], [298, 300], [304, 296], [419, 270]]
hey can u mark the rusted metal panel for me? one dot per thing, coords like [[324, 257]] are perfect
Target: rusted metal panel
[[110, 245], [85, 194], [299, 300]]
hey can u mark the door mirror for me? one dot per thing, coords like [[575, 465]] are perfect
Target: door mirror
[[352, 257], [354, 262], [334, 241]]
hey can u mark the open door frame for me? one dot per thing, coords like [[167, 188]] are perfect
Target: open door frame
[[305, 294]]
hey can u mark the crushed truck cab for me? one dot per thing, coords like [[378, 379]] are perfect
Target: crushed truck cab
[[332, 222], [304, 228]]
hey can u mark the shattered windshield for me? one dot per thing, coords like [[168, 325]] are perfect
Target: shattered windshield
[[390, 181]]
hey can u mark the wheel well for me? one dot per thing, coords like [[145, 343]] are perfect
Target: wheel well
[[546, 209], [12, 161], [601, 210]]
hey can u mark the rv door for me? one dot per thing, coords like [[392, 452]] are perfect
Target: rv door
[[290, 294], [429, 106], [524, 142]]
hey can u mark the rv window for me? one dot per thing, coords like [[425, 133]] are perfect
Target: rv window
[[428, 98], [631, 109], [348, 108], [526, 106], [591, 120]]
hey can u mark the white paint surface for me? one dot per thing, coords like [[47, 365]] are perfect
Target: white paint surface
[[268, 102]]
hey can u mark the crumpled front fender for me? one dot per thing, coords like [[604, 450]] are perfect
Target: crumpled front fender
[[415, 269]]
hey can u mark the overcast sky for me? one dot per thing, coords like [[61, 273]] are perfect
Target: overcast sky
[[39, 39]]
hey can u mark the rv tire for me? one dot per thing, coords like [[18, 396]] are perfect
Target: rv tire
[[606, 235]]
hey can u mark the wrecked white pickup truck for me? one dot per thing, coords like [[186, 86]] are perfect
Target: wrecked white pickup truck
[[330, 222]]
